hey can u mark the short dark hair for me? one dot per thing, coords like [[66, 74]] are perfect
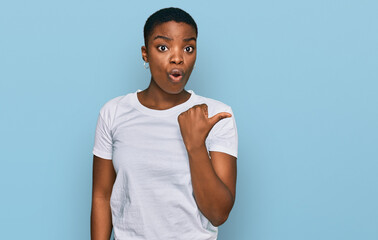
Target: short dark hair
[[166, 15]]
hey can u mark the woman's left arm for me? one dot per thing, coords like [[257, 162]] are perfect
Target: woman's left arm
[[214, 177]]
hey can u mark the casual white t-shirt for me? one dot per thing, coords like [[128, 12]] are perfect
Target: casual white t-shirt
[[152, 197]]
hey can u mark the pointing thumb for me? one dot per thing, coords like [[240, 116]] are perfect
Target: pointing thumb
[[219, 116]]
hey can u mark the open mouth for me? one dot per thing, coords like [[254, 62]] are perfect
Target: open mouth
[[176, 74]]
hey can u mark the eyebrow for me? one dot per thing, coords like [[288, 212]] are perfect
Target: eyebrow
[[190, 39], [170, 39], [163, 37]]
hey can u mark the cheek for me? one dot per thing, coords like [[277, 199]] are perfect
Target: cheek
[[157, 70], [156, 67], [154, 63], [157, 61], [192, 58]]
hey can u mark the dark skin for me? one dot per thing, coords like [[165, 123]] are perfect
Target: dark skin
[[171, 49]]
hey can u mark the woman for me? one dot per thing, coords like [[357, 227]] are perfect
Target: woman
[[164, 164]]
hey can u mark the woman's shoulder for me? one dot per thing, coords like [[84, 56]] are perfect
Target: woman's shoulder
[[110, 107]]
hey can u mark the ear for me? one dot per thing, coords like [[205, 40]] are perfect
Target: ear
[[144, 54]]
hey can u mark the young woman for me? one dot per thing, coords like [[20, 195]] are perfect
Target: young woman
[[164, 164]]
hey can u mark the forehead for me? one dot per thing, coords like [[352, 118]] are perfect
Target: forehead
[[173, 29]]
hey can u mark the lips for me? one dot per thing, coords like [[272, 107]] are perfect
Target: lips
[[176, 74]]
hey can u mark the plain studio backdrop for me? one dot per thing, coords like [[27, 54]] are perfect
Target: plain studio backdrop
[[301, 77]]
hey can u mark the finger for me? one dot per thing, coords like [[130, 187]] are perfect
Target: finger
[[217, 117], [198, 106], [195, 108], [204, 109]]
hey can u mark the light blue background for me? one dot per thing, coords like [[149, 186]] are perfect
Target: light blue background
[[301, 77]]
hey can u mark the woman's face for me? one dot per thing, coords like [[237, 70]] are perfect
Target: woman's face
[[171, 54]]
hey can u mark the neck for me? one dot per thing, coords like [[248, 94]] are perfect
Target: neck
[[155, 98]]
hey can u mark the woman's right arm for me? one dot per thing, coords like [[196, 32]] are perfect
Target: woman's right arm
[[101, 216]]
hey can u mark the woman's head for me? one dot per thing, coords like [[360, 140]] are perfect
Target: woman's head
[[166, 15], [170, 49]]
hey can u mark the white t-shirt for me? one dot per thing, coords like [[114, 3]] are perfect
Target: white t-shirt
[[152, 197]]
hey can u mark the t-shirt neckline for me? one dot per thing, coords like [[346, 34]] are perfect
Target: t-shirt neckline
[[161, 113]]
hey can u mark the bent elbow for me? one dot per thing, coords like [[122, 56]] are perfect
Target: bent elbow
[[219, 221]]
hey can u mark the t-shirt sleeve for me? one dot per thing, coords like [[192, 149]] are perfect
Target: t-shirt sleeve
[[103, 144], [223, 137]]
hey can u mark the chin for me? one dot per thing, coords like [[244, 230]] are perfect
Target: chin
[[175, 89]]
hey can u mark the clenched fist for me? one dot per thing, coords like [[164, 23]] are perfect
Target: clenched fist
[[195, 125]]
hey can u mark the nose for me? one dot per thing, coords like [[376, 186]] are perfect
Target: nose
[[176, 57]]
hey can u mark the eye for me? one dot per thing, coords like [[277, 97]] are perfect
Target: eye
[[162, 48], [189, 49]]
